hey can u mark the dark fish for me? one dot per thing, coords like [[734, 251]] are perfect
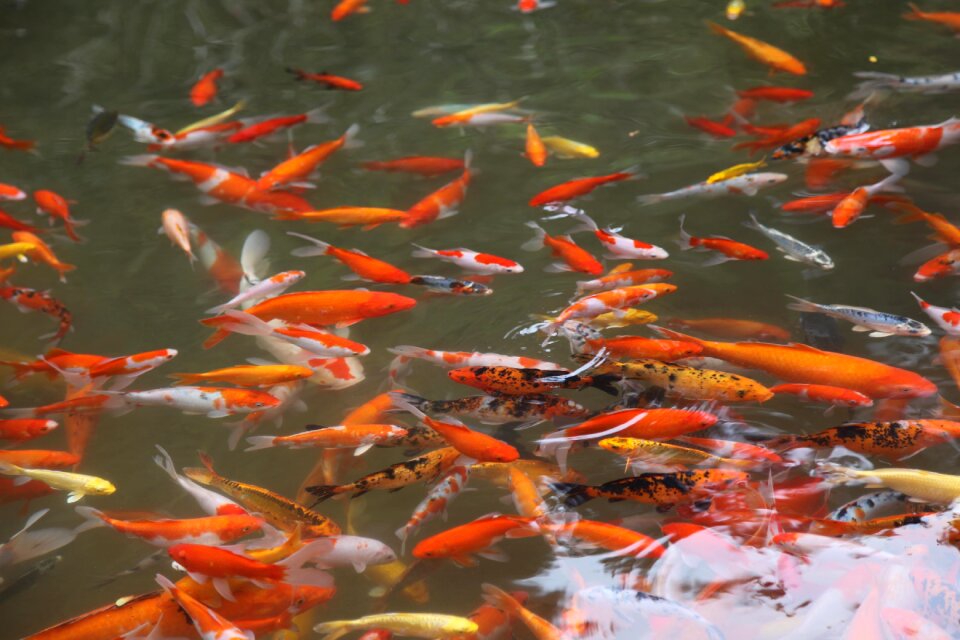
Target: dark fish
[[822, 332], [28, 578], [500, 409], [99, 128], [451, 286]]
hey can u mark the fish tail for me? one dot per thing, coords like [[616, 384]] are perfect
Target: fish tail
[[318, 115], [350, 140], [92, 518], [321, 248], [915, 13], [676, 335], [253, 256], [650, 198], [536, 243], [259, 442], [322, 491], [606, 382], [333, 630], [835, 474], [408, 399], [587, 223], [799, 304], [142, 160], [218, 336], [717, 28], [20, 369], [499, 598], [299, 74], [573, 494], [186, 378], [422, 252], [686, 240]]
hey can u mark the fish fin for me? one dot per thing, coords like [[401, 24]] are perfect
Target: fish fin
[[799, 304], [880, 334], [464, 561], [74, 496], [860, 328], [557, 267], [218, 413], [787, 256], [359, 451], [259, 442], [927, 160], [536, 243], [715, 259], [896, 166], [495, 554]]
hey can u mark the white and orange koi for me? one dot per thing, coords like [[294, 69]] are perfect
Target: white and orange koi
[[469, 260], [436, 501], [618, 247], [946, 319], [312, 340], [453, 359], [267, 288], [175, 226]]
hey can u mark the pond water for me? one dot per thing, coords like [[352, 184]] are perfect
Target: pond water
[[617, 75]]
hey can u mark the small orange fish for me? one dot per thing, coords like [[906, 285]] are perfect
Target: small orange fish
[[422, 165], [346, 8], [300, 166], [56, 206], [43, 253], [461, 543], [361, 264], [949, 19], [473, 444], [578, 187], [574, 258], [247, 375], [205, 89], [536, 152], [327, 79], [442, 203], [367, 217], [776, 59], [9, 143]]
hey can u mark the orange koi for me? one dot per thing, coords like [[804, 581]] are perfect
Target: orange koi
[[368, 217], [56, 206], [442, 203], [536, 151], [422, 165], [775, 58], [949, 19], [43, 253], [247, 375], [300, 166], [461, 543], [364, 266], [578, 187], [574, 258], [327, 79], [205, 89], [9, 143]]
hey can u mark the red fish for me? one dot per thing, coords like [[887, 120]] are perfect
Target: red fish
[[442, 203], [578, 187], [56, 206], [32, 300], [714, 128], [574, 258], [10, 143], [272, 125], [776, 94], [205, 89], [423, 165], [328, 79]]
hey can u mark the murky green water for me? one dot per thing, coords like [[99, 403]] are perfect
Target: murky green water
[[618, 75]]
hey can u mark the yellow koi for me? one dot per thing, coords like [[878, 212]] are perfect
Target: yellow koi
[[78, 484], [736, 170], [566, 148], [214, 119]]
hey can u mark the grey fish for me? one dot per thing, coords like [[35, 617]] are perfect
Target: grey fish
[[452, 286], [878, 323], [940, 83], [794, 249]]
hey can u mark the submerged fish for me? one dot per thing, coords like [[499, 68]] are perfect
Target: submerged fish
[[878, 323]]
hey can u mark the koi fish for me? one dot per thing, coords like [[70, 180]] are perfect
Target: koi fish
[[280, 512], [346, 8], [205, 88], [453, 359], [310, 340], [923, 486], [949, 19], [10, 192], [436, 500], [735, 9], [513, 381], [624, 277], [469, 260], [212, 530], [247, 375], [946, 319], [364, 266], [424, 468], [792, 248], [318, 308], [266, 288], [736, 170], [56, 206], [480, 115], [945, 230], [638, 347], [662, 453], [776, 59], [891, 144], [142, 130], [9, 222], [10, 143], [461, 543], [728, 249], [77, 485], [714, 128], [595, 304], [417, 625], [224, 185], [566, 148], [802, 363], [41, 458], [536, 151], [451, 286], [574, 258], [272, 125], [295, 170], [782, 95], [27, 300], [43, 253], [122, 369], [934, 84], [367, 217], [748, 184], [442, 203], [18, 250], [637, 423], [663, 489], [834, 396], [208, 623], [423, 165], [473, 444], [175, 225], [690, 383], [579, 187], [617, 246], [500, 409], [23, 429], [853, 205], [894, 440], [327, 79], [945, 264], [197, 137], [359, 437], [539, 627], [214, 402], [879, 324]]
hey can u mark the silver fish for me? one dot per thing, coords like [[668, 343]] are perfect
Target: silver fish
[[878, 323], [873, 80], [748, 184], [794, 249], [451, 286]]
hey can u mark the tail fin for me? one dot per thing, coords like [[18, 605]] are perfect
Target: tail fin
[[422, 252], [606, 382], [22, 369], [676, 335], [350, 140], [500, 599], [685, 238], [717, 28], [915, 13], [259, 442], [218, 336], [186, 378], [92, 518], [539, 235], [650, 198], [143, 160], [321, 248], [253, 256], [299, 74], [318, 115], [573, 494], [408, 399], [800, 304], [588, 223], [333, 630], [322, 491]]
